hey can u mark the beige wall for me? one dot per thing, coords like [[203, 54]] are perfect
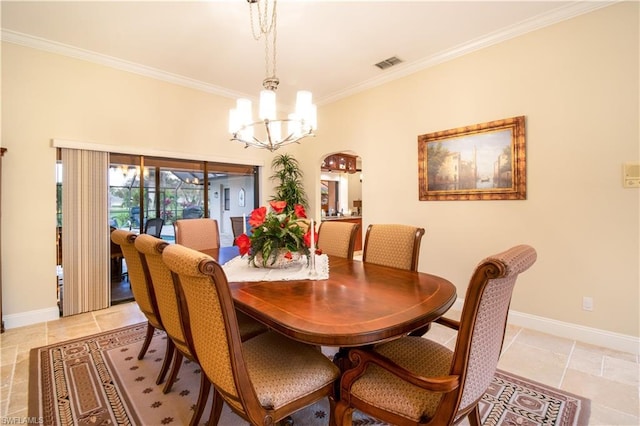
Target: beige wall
[[576, 82], [47, 96]]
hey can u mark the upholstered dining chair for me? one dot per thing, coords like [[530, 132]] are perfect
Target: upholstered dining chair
[[154, 226], [144, 295], [116, 258], [416, 381], [198, 234], [263, 379], [168, 306], [393, 245], [397, 246], [338, 238], [237, 226]]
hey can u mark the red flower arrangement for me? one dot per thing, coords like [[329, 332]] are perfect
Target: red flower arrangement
[[275, 233]]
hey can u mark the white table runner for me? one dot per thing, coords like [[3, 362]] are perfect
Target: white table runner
[[238, 269]]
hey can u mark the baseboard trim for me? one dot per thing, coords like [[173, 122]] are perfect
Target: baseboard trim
[[30, 317], [590, 335]]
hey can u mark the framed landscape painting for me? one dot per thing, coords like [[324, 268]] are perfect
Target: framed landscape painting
[[480, 162]]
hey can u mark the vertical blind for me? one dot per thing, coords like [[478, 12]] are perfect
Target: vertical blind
[[85, 236]]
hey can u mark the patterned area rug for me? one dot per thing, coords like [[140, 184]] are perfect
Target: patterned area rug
[[98, 380]]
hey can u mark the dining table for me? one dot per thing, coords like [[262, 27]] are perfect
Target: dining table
[[357, 304]]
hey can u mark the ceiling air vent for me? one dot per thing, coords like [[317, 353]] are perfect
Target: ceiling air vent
[[389, 62]]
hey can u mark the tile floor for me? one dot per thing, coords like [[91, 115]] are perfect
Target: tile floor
[[609, 378]]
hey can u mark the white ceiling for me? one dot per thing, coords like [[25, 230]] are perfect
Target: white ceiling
[[328, 47]]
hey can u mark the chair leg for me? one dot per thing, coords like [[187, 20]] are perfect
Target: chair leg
[[203, 395], [216, 409], [343, 414], [474, 416], [168, 356], [175, 368], [147, 340], [332, 411]]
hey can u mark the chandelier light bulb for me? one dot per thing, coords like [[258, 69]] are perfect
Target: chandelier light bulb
[[294, 127], [245, 116], [303, 104], [313, 117], [275, 130], [267, 105], [234, 121]]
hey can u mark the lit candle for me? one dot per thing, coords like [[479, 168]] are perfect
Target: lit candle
[[244, 223]]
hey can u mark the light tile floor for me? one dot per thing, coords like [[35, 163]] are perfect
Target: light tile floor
[[609, 378]]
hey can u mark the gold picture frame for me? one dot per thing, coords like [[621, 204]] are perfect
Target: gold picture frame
[[480, 162]]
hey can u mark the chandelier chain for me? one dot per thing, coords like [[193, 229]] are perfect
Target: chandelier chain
[[300, 124], [266, 28]]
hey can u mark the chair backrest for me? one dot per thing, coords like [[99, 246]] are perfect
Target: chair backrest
[[154, 226], [237, 226], [116, 250], [207, 303], [338, 238], [142, 290], [198, 234], [483, 322], [393, 245], [151, 249]]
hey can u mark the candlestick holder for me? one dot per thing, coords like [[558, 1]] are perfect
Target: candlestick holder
[[312, 264]]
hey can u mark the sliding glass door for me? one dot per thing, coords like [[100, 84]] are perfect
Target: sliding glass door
[[175, 189]]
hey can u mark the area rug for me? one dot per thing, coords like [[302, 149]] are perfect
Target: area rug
[[98, 380]]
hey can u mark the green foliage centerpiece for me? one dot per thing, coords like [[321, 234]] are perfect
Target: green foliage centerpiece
[[289, 188], [277, 237]]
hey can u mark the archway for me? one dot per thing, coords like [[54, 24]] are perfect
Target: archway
[[341, 189]]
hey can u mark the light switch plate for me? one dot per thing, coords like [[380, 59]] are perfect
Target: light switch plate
[[631, 175]]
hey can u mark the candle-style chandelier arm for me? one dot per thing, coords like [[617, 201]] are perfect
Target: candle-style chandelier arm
[[270, 143]]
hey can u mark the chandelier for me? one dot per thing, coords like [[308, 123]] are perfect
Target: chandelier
[[267, 131]]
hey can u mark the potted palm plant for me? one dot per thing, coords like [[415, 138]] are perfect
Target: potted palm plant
[[287, 171]]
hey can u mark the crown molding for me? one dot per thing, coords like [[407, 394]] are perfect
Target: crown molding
[[570, 11], [562, 14], [112, 62]]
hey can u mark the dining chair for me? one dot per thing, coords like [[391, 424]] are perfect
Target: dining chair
[[338, 238], [198, 234], [416, 381], [238, 227], [397, 246], [144, 295], [154, 226], [263, 379], [116, 258], [151, 249], [393, 245]]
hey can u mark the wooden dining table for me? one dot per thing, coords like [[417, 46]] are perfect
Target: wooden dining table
[[359, 304]]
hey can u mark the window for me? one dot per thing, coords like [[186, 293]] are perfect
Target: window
[[227, 198], [177, 189]]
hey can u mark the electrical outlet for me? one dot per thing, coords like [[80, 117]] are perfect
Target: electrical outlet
[[587, 303], [631, 175]]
